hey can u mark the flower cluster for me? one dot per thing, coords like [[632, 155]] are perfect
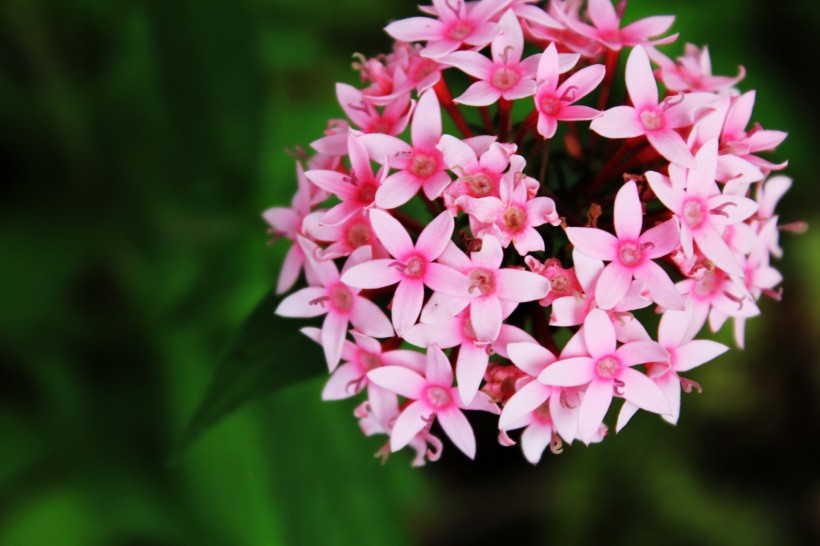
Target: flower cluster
[[555, 224]]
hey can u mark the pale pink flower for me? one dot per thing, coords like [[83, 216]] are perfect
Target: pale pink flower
[[392, 120], [630, 253], [685, 353], [341, 304], [563, 282], [692, 72], [736, 140], [356, 190], [506, 76], [545, 27], [607, 371], [768, 195], [434, 397], [479, 172], [701, 209], [657, 121], [420, 165], [459, 23], [490, 288], [554, 102], [412, 268], [606, 27], [343, 238], [473, 355]]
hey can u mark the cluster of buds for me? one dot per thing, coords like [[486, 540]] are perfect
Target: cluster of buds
[[551, 233]]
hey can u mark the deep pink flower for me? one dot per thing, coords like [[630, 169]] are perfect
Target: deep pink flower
[[606, 27], [692, 72], [630, 253], [433, 396]]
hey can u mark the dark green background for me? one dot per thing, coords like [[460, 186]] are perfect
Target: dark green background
[[140, 142]]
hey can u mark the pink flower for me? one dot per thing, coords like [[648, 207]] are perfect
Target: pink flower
[[413, 266], [434, 397], [657, 121], [630, 253], [479, 171], [458, 24], [338, 301], [505, 76], [607, 27], [692, 72], [607, 371], [554, 102], [701, 209], [420, 165]]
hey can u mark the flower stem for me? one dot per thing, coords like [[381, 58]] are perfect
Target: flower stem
[[525, 127], [504, 109], [445, 98]]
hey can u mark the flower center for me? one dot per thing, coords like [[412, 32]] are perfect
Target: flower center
[[515, 218], [415, 267], [631, 254], [341, 298], [369, 361], [651, 120], [367, 193], [542, 413], [482, 281], [358, 235], [504, 78], [550, 105], [381, 125], [480, 184], [438, 397], [694, 213], [607, 367], [423, 165], [459, 30], [560, 284]]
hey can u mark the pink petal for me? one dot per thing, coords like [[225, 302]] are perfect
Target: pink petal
[[443, 334], [391, 233], [385, 148], [669, 384], [435, 184], [603, 15], [334, 331], [548, 68], [628, 212], [541, 210], [290, 269], [438, 370], [409, 423], [594, 406], [627, 411], [612, 286], [412, 360], [425, 129], [369, 319], [527, 399], [534, 440], [491, 254], [415, 29], [671, 197], [441, 307], [640, 82], [660, 286], [664, 238], [578, 113], [374, 274], [671, 146], [599, 334], [641, 352], [673, 327], [547, 126], [470, 368], [735, 208], [340, 213], [325, 270], [458, 429], [299, 303], [407, 303], [618, 122], [644, 28], [519, 285], [564, 419], [282, 219], [397, 189], [402, 381], [527, 241], [341, 384], [594, 242], [485, 315], [470, 62], [334, 182], [643, 392], [715, 248], [435, 237], [697, 352], [525, 88], [511, 37], [569, 372], [584, 81], [480, 93], [447, 280]]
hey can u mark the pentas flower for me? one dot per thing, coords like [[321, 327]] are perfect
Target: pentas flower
[[680, 219], [433, 397], [608, 370], [413, 266], [554, 102], [506, 76], [458, 24], [630, 253], [648, 117]]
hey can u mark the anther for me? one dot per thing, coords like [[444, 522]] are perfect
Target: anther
[[556, 445], [319, 301], [688, 385]]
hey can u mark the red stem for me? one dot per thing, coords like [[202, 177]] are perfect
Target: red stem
[[612, 58], [445, 98], [609, 168], [486, 119], [504, 109], [525, 127]]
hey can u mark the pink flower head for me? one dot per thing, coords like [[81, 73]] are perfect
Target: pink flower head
[[433, 397], [412, 268], [608, 371], [505, 76], [344, 238], [606, 27], [657, 121], [702, 210], [692, 72], [554, 102], [479, 171], [341, 304], [459, 23], [420, 165], [630, 253]]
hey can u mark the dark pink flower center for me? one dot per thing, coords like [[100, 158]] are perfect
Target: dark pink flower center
[[414, 267], [505, 78], [482, 281], [607, 367], [560, 285], [550, 105], [631, 254], [515, 218], [423, 165], [542, 413], [341, 298], [694, 213], [651, 120], [459, 30], [370, 361], [358, 235], [367, 193], [479, 184], [438, 397], [380, 125]]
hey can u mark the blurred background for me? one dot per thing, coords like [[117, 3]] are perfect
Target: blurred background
[[141, 140]]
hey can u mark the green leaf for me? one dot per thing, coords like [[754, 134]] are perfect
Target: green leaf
[[266, 355]]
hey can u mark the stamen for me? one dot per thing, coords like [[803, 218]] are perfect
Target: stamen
[[398, 265], [720, 209], [688, 385], [506, 54], [433, 454], [361, 107], [619, 386], [799, 227], [673, 100], [357, 385], [383, 452], [776, 295], [565, 401], [319, 301], [455, 8], [736, 299], [569, 94], [556, 445]]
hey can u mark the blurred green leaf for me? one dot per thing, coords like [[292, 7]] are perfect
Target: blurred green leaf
[[266, 355]]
